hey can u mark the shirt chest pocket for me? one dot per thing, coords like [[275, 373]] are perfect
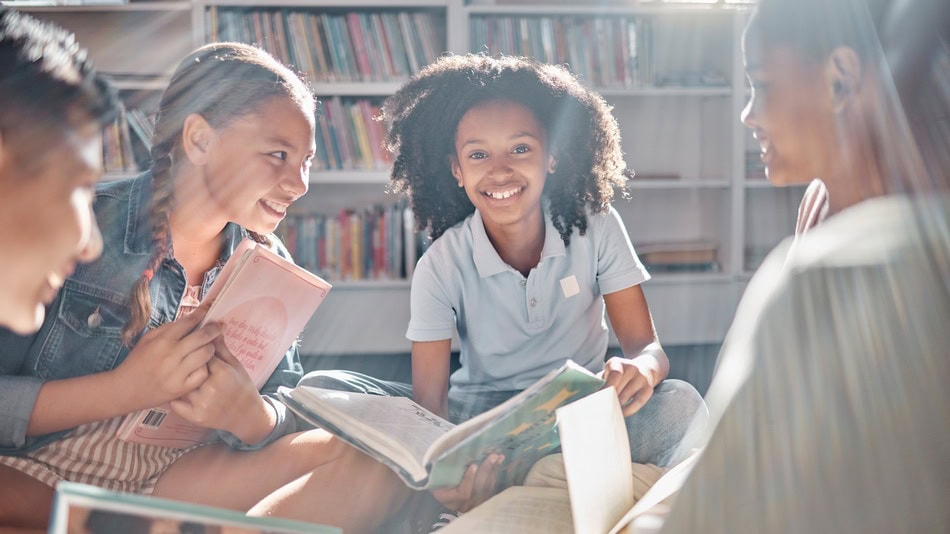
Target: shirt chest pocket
[[86, 335]]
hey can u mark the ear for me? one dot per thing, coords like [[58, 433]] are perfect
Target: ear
[[845, 72], [196, 136], [552, 164], [456, 170]]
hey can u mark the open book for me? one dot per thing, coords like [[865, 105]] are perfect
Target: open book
[[262, 302], [427, 451], [84, 509], [599, 498]]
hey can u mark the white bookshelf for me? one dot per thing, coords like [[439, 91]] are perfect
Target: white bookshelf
[[684, 142]]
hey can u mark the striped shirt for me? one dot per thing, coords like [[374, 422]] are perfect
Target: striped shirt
[[93, 453]]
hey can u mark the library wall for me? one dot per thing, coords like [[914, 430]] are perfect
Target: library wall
[[700, 211]]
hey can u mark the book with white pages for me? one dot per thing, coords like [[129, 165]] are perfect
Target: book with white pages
[[599, 497]]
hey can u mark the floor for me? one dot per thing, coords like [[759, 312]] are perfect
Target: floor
[[692, 363]]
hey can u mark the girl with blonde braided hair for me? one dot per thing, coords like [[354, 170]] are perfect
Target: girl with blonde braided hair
[[231, 152]]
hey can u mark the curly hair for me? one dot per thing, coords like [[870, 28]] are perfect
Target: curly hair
[[422, 118]]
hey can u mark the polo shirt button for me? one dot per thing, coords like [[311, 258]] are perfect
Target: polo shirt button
[[533, 302]]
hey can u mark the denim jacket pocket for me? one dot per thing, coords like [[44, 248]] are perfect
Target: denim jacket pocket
[[86, 336]]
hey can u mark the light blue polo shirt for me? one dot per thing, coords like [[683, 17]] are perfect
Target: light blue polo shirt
[[513, 329]]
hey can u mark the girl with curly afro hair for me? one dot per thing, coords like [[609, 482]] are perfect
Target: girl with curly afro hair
[[511, 166]]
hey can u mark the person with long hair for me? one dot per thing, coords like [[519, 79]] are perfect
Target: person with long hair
[[232, 149]]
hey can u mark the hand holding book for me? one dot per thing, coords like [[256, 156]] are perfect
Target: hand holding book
[[227, 399], [168, 361], [427, 451], [261, 302]]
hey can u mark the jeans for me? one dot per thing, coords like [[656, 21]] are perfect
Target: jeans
[[670, 424]]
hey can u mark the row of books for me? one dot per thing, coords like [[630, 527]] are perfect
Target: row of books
[[374, 243], [127, 141], [349, 136], [679, 256], [606, 51], [337, 46]]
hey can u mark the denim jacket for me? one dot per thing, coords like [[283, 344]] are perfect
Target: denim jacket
[[69, 345]]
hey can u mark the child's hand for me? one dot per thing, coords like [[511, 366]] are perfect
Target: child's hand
[[476, 487], [227, 399], [634, 385], [168, 362]]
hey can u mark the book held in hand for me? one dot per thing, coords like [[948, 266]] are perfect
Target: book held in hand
[[599, 497], [427, 451], [85, 509], [262, 302]]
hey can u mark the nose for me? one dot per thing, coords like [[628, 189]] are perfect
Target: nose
[[297, 182], [501, 170], [92, 247], [748, 115]]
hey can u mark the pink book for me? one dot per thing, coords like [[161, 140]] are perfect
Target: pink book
[[262, 302]]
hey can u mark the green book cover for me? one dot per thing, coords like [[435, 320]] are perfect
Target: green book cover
[[81, 508], [427, 451]]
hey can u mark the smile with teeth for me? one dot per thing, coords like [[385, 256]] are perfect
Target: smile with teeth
[[279, 208], [501, 195]]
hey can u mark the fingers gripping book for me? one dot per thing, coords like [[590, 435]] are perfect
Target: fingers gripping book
[[427, 451], [600, 495], [262, 302]]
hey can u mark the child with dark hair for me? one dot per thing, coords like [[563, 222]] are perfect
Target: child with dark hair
[[512, 165], [52, 106], [231, 152], [830, 404]]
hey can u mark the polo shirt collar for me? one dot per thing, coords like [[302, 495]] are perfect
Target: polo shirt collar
[[489, 263]]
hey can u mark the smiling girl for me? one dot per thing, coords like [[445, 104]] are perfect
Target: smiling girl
[[511, 165], [232, 150]]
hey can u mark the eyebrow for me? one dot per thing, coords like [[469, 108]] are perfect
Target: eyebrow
[[279, 141], [517, 135], [288, 145]]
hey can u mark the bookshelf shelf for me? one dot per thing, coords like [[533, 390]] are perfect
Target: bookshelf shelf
[[92, 8], [677, 101], [677, 184], [348, 177], [361, 285], [686, 278], [666, 91], [153, 84], [330, 4], [594, 10], [380, 89]]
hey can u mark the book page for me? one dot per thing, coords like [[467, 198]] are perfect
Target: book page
[[522, 428], [596, 453], [395, 426], [521, 509]]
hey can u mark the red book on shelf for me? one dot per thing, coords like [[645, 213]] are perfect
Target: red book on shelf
[[262, 302]]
